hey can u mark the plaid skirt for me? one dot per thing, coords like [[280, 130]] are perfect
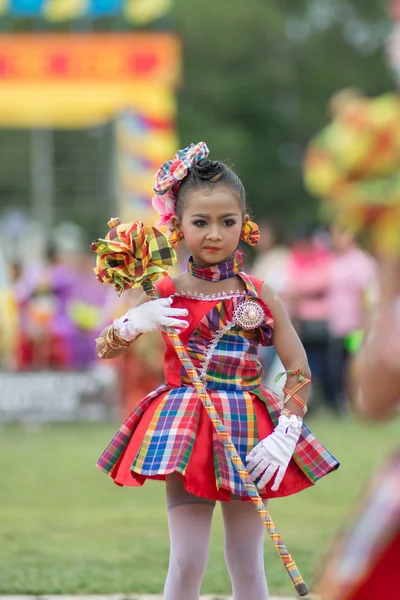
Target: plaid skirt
[[170, 432]]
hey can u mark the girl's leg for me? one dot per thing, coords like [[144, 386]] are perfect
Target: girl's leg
[[244, 550], [189, 522]]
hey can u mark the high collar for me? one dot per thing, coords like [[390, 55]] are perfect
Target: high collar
[[218, 272]]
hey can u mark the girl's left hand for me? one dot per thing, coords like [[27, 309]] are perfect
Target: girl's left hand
[[272, 455]]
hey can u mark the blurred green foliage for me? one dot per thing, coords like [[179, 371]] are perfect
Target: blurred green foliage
[[257, 79]]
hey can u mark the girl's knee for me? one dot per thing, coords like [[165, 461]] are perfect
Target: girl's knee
[[188, 568], [244, 562]]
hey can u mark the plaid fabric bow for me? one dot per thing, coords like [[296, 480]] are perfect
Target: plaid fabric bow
[[132, 253], [168, 178], [173, 171]]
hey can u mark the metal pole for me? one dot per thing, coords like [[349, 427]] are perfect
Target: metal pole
[[42, 177]]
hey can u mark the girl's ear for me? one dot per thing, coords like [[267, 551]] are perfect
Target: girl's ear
[[175, 222], [246, 219]]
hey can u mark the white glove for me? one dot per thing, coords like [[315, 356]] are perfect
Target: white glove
[[150, 316], [272, 455]]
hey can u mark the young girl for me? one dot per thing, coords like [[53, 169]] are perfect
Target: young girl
[[222, 315]]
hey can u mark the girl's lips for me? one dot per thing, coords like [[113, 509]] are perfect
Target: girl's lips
[[212, 248]]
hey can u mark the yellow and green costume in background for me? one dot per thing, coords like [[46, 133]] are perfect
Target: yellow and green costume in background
[[354, 165]]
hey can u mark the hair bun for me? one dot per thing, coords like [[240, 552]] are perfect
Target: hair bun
[[208, 169]]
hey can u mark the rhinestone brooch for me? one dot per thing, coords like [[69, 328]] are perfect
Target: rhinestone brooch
[[249, 314]]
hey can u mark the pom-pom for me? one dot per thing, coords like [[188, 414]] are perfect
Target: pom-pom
[[132, 253], [250, 233]]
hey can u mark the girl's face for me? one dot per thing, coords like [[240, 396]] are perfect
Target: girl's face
[[211, 222]]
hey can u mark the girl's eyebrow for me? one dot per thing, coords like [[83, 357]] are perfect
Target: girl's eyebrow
[[231, 214]]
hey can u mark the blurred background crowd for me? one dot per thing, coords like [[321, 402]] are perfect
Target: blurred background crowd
[[94, 96]]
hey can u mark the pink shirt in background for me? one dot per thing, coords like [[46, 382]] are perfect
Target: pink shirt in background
[[308, 284], [353, 272]]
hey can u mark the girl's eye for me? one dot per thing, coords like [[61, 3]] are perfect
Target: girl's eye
[[200, 223], [229, 222]]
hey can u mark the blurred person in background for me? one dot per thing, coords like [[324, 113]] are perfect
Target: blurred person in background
[[306, 296], [44, 285], [364, 561], [42, 291], [8, 319], [351, 283], [60, 305], [84, 311], [272, 256]]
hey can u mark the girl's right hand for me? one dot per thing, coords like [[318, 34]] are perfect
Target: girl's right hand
[[150, 316], [270, 458]]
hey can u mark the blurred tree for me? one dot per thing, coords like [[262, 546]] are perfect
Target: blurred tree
[[257, 78]]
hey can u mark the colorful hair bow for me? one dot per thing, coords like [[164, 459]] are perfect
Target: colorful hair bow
[[170, 175], [173, 171]]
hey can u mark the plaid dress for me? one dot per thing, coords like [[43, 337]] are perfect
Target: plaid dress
[[170, 432]]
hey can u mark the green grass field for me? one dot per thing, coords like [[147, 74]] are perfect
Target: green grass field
[[66, 528]]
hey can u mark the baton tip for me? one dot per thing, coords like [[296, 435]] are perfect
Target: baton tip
[[302, 589]]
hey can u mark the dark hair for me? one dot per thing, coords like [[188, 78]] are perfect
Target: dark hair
[[209, 173]]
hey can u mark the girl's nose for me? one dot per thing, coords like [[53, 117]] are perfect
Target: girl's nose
[[214, 233]]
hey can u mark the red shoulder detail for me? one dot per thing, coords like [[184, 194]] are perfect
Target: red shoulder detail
[[252, 282], [165, 287], [258, 283]]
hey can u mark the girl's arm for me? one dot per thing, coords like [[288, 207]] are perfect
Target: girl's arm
[[270, 458], [289, 349], [145, 316], [108, 345], [379, 362], [111, 345]]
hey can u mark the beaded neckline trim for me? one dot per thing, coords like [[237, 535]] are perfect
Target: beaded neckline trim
[[218, 296]]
